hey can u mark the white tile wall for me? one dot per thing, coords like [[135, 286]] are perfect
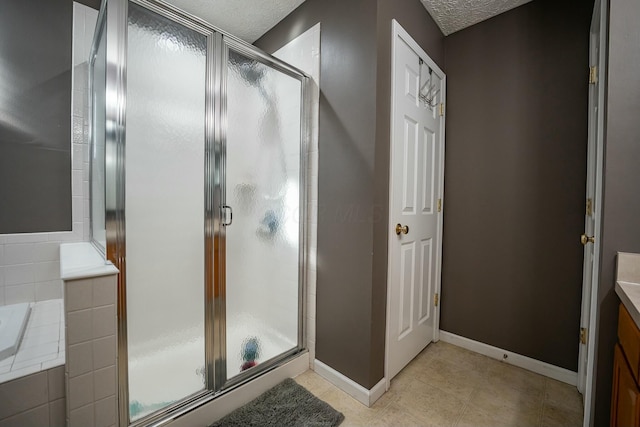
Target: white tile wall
[[32, 383], [29, 263]]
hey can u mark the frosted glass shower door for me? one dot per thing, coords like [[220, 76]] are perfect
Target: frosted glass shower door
[[203, 198], [263, 194], [164, 200]]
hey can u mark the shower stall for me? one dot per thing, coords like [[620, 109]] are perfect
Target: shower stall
[[198, 197]]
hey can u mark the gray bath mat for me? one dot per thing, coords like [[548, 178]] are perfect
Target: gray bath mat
[[286, 405]]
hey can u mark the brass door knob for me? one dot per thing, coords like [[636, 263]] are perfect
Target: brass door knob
[[584, 239], [401, 229]]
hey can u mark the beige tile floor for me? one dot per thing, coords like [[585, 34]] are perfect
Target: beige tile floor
[[446, 385]]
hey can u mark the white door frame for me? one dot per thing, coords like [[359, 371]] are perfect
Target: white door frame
[[600, 9], [398, 32]]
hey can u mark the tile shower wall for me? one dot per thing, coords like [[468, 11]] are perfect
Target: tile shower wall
[[30, 263]]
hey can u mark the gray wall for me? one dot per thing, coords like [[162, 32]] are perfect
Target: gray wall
[[353, 170], [621, 207], [35, 112], [515, 180], [516, 148], [345, 177]]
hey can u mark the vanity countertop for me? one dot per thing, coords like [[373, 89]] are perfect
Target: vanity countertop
[[628, 283]]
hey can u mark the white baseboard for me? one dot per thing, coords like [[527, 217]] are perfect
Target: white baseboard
[[361, 394], [533, 365], [377, 391]]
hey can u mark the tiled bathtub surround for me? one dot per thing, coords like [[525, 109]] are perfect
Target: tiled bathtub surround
[[29, 263], [90, 287], [43, 344], [91, 349], [34, 400]]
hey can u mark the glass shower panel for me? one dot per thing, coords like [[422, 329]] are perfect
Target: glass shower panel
[[164, 200], [262, 189], [98, 79]]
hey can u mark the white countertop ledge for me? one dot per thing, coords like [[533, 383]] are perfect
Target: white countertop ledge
[[629, 294], [628, 283], [83, 261]]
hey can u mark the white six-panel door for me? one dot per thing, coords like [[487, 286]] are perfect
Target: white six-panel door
[[415, 189], [593, 211], [592, 197]]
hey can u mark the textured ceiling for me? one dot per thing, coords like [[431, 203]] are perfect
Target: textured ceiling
[[247, 19], [454, 15], [250, 19]]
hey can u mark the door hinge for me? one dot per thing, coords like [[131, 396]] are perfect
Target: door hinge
[[436, 299], [439, 205], [441, 109], [593, 75], [583, 335], [589, 207]]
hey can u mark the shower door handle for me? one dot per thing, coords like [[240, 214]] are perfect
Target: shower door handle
[[226, 208]]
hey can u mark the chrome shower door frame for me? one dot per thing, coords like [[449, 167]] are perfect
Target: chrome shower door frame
[[97, 36], [112, 23], [227, 43]]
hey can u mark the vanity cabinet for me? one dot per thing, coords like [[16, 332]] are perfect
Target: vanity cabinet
[[625, 399]]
